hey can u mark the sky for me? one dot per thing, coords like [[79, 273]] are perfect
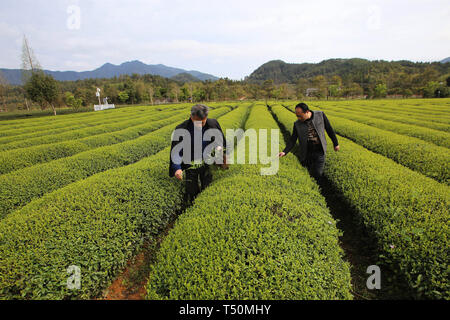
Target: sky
[[224, 38]]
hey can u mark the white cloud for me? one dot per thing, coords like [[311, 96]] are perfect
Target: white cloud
[[223, 38]]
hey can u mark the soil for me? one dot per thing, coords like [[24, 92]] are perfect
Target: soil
[[132, 281]]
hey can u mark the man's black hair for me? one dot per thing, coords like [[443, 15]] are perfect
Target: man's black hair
[[200, 110], [302, 106]]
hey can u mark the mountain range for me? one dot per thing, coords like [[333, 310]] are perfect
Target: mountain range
[[108, 70], [279, 71]]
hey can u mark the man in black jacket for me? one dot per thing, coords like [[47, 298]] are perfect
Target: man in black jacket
[[309, 130], [195, 135]]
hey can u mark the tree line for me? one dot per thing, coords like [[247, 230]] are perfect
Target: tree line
[[353, 77], [332, 79]]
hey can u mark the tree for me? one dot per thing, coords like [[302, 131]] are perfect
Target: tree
[[353, 90], [430, 89], [123, 96], [337, 81], [190, 88], [199, 94], [380, 90], [254, 90], [300, 88], [448, 82], [163, 92], [151, 94], [141, 91], [43, 89], [130, 89], [220, 89], [3, 91], [335, 87], [442, 92], [29, 63], [430, 74], [111, 92], [283, 91], [86, 95], [175, 91], [407, 93], [320, 82], [268, 88], [71, 101], [334, 90]]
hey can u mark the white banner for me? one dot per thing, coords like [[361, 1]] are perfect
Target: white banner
[[104, 107]]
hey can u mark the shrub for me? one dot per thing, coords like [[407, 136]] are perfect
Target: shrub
[[254, 237], [406, 212], [97, 224], [127, 130], [427, 134], [22, 186]]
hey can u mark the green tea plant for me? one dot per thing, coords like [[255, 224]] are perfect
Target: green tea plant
[[388, 115], [249, 236], [20, 127], [414, 153], [406, 213], [24, 185], [97, 224], [26, 157], [102, 126], [436, 137]]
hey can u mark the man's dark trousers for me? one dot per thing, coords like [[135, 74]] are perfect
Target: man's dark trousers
[[193, 175], [315, 161]]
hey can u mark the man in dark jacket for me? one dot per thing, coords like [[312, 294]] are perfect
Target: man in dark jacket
[[309, 130], [195, 135]]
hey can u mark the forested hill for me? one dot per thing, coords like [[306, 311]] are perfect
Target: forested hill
[[350, 70]]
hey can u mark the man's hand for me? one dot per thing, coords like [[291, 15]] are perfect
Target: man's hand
[[179, 174], [337, 148], [281, 154]]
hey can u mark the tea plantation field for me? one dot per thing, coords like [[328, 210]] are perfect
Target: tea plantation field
[[92, 190]]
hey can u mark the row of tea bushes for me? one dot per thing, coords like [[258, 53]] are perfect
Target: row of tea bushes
[[415, 109], [436, 137], [31, 129], [416, 154], [63, 134], [112, 134], [46, 123], [22, 186], [97, 224], [406, 212], [387, 115], [249, 236], [55, 127]]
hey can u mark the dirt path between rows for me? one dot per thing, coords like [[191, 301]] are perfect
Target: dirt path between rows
[[132, 281]]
